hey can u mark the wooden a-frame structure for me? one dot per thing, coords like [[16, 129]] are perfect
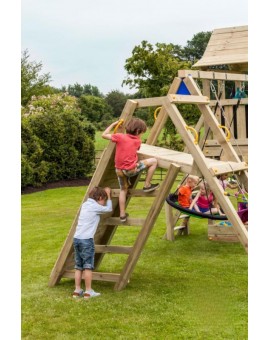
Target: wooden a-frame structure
[[194, 161]]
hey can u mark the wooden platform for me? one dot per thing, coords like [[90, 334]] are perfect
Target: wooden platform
[[166, 157]]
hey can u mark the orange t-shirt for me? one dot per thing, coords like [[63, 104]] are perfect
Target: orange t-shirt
[[184, 195]]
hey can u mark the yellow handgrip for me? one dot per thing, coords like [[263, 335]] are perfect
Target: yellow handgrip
[[156, 111], [121, 121], [228, 135], [195, 133]]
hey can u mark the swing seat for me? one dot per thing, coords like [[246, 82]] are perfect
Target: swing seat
[[172, 200]]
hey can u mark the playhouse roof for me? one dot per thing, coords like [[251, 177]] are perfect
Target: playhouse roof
[[227, 46]]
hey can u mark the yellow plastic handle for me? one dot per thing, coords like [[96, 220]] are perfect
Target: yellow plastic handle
[[121, 121], [195, 133], [156, 111], [228, 135]]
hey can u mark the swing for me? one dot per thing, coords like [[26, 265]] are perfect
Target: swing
[[172, 200]]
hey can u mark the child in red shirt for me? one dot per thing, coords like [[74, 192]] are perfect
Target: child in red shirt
[[126, 159]]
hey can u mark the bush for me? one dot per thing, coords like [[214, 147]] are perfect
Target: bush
[[56, 142]]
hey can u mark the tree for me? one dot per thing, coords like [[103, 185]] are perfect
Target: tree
[[117, 101], [32, 82], [195, 47], [151, 69], [78, 90], [95, 109]]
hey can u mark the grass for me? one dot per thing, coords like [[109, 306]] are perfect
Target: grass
[[188, 289]]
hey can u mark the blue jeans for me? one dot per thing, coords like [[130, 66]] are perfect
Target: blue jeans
[[84, 253]]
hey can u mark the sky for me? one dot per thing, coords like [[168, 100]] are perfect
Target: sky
[[87, 42]]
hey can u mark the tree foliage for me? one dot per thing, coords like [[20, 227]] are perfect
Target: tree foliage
[[117, 101], [32, 82], [78, 90], [56, 143], [95, 109], [151, 69], [195, 47]]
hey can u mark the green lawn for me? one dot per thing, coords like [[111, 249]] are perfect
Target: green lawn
[[188, 289]]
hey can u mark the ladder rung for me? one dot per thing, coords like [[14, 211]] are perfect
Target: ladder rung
[[98, 276], [180, 227], [135, 193], [112, 249], [130, 221]]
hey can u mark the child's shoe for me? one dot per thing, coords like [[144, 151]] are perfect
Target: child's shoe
[[151, 188], [124, 218], [78, 294], [90, 293]]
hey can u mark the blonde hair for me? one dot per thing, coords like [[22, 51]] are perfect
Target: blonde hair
[[194, 179]]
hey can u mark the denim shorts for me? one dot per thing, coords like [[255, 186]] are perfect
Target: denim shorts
[[123, 175], [84, 253]]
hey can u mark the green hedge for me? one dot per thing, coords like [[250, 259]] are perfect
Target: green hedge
[[56, 142]]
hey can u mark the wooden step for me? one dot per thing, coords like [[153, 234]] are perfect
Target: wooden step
[[112, 249], [113, 221], [135, 193], [110, 277]]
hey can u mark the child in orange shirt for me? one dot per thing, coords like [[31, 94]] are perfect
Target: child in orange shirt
[[185, 191]]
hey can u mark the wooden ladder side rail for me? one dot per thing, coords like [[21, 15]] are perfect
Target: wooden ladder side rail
[[228, 150], [162, 116], [213, 182], [147, 226], [67, 248]]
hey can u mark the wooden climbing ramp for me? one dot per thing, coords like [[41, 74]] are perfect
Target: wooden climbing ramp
[[193, 161]]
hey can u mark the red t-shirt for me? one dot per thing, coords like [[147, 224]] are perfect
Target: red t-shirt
[[126, 157], [184, 196]]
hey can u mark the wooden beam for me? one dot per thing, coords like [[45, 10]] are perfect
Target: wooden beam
[[212, 75], [145, 102], [231, 102], [186, 99]]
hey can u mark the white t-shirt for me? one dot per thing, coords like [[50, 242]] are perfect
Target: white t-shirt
[[89, 218]]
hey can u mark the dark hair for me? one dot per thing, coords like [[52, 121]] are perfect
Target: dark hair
[[98, 193], [136, 126]]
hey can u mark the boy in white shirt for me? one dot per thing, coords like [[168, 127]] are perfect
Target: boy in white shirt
[[99, 202]]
